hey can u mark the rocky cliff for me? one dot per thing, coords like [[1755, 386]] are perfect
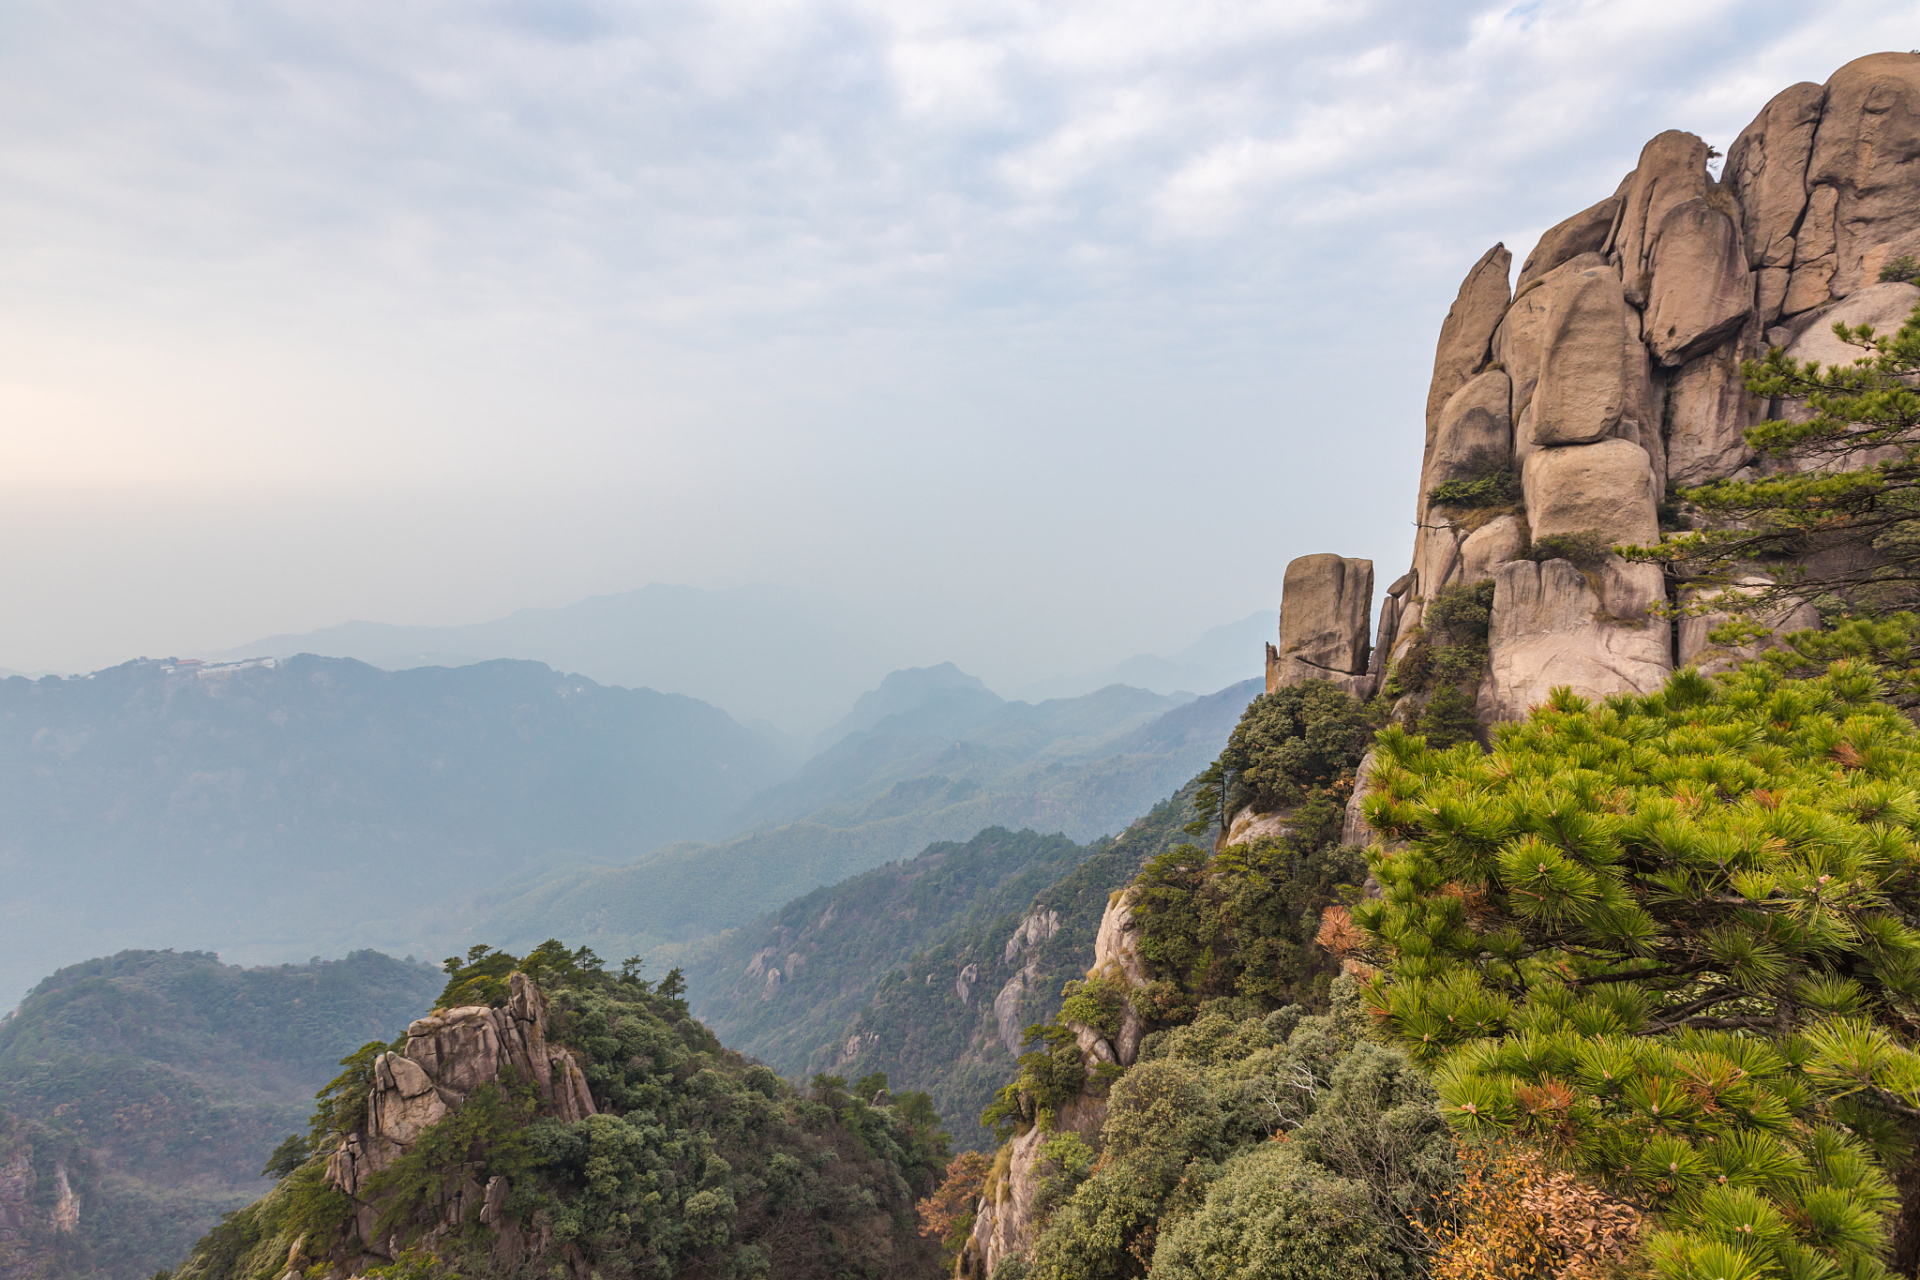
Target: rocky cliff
[[448, 1055], [1564, 408], [1005, 1222]]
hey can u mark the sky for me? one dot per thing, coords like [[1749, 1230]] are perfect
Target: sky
[[1050, 332]]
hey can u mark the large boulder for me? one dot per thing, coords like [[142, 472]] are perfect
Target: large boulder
[[1475, 432], [1701, 290], [1520, 344], [1555, 624], [1490, 546], [1584, 232], [1884, 306], [1604, 488], [1326, 602], [1766, 169], [1867, 151], [1468, 330], [1708, 413], [1582, 387], [1672, 171]]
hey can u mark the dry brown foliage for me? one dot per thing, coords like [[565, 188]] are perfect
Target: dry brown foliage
[[1514, 1217], [952, 1202], [1338, 933]]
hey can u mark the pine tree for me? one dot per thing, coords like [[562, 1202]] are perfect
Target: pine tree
[[1670, 939], [1845, 484]]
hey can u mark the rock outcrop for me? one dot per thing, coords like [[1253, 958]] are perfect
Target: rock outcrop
[[1613, 371], [449, 1054], [1325, 604], [1004, 1220]]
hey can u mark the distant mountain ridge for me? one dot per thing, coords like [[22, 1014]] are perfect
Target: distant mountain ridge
[[1224, 655], [894, 805], [273, 809], [743, 649]]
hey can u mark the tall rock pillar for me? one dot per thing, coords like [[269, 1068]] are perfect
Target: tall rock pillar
[[1326, 603]]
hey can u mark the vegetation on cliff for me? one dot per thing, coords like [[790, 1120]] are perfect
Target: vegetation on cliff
[[698, 1162], [1671, 940], [1838, 516], [1636, 995], [159, 1081]]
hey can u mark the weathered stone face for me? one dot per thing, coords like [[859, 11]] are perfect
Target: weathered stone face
[[1766, 170], [1708, 413], [1584, 232], [1867, 152], [1583, 384], [1605, 488], [1884, 306], [1325, 606], [1701, 290], [1490, 546], [1519, 345], [1672, 171], [1555, 625], [1475, 430], [1468, 330]]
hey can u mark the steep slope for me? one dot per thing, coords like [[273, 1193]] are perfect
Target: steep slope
[[152, 1086], [949, 1020], [784, 988], [159, 801], [682, 893]]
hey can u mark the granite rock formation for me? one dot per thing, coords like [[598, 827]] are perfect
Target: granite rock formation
[[449, 1054], [1611, 373]]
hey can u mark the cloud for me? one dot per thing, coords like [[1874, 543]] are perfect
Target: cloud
[[772, 257]]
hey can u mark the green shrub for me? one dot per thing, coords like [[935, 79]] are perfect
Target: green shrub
[[1288, 742], [1460, 613], [1051, 1071], [1585, 548], [1668, 938], [1902, 269], [1159, 1108], [1241, 922], [1276, 1215], [1497, 486], [1448, 719]]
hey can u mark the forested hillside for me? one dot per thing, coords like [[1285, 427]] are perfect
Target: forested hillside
[[158, 804], [549, 1115], [147, 1090], [927, 970], [1020, 767], [1627, 994]]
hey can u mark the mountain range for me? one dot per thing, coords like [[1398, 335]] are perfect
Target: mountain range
[[273, 809], [794, 659]]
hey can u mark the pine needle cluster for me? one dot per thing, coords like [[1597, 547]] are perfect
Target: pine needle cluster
[[1672, 941]]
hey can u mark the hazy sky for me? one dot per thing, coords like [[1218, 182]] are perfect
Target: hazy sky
[[1056, 329]]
